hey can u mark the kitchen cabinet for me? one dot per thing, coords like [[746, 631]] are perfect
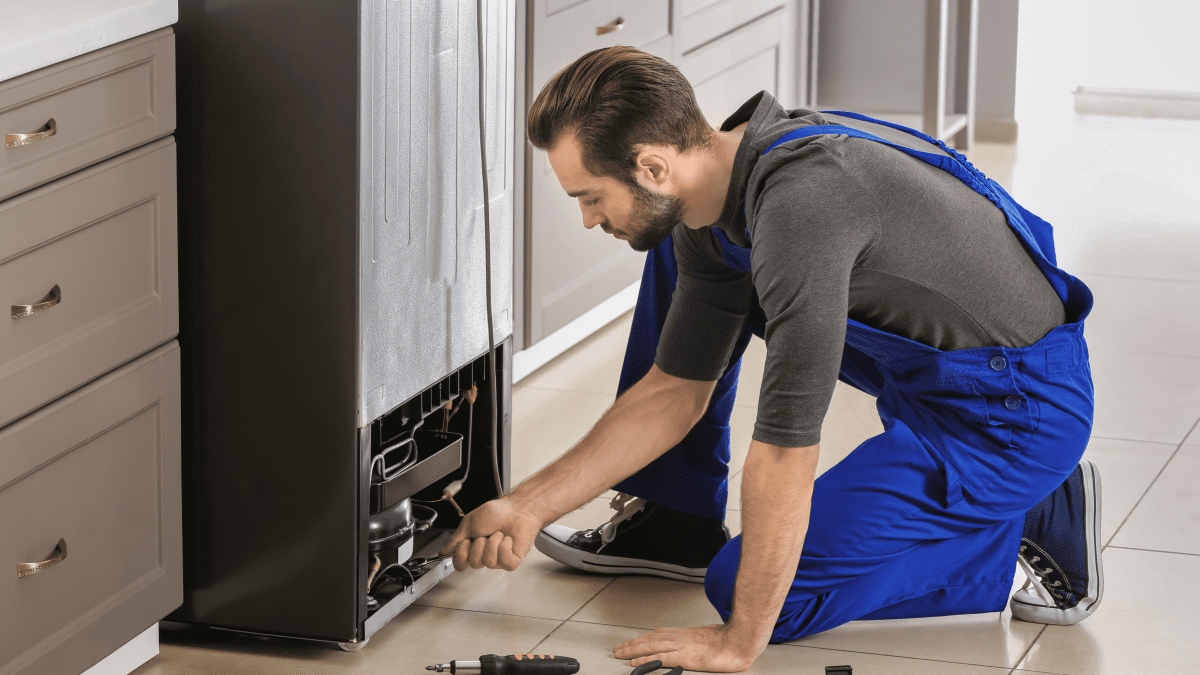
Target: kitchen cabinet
[[90, 490]]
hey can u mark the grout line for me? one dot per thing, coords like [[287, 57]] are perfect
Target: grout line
[[1028, 649], [891, 656], [485, 611], [1154, 550], [1134, 440], [1151, 485], [589, 600], [552, 632]]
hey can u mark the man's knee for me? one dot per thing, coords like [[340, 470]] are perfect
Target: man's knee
[[721, 576]]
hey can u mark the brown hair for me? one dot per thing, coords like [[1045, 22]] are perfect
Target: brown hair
[[614, 99]]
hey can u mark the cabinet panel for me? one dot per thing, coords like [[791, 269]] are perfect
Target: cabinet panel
[[102, 103], [111, 493], [713, 21], [732, 69], [106, 238]]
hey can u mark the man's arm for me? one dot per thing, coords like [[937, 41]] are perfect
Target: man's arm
[[777, 488], [650, 418]]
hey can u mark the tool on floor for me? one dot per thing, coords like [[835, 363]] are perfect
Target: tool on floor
[[514, 664], [650, 666], [839, 670]]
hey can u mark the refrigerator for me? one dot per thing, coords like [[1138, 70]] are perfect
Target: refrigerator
[[334, 301]]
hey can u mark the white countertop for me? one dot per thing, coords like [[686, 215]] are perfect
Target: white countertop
[[38, 33]]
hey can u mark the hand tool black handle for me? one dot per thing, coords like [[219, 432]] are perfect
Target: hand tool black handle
[[527, 664]]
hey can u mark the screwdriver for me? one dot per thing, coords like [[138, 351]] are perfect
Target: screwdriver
[[514, 664]]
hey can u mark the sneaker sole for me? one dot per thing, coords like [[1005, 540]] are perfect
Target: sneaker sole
[[609, 564], [1037, 613]]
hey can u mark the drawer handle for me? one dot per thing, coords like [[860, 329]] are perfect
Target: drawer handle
[[58, 555], [47, 302], [13, 140], [611, 27]]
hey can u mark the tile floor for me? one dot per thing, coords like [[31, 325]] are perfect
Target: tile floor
[[1125, 200]]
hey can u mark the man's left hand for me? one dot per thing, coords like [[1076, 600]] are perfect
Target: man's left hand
[[707, 648]]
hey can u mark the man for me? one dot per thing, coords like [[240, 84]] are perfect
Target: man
[[858, 251]]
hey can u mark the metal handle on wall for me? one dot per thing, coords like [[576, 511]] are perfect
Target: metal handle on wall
[[47, 302], [58, 555], [13, 140], [611, 27]]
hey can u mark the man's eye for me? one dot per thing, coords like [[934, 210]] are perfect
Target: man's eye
[[591, 202]]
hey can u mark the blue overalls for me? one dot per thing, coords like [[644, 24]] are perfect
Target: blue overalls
[[925, 518]]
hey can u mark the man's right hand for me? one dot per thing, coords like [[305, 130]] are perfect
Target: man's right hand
[[497, 535]]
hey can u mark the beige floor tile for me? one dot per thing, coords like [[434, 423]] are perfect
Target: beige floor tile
[[1126, 470], [593, 365], [546, 423], [993, 639], [1145, 397], [592, 644], [1144, 315], [1168, 518], [649, 602], [418, 637], [540, 587], [1145, 624]]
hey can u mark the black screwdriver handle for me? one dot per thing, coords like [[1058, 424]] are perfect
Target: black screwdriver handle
[[527, 664]]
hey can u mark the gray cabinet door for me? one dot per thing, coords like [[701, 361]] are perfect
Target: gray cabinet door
[[105, 238], [90, 488]]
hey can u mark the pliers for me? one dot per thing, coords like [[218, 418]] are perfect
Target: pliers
[[655, 665]]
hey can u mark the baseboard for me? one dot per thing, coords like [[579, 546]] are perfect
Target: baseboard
[[543, 351], [996, 130], [130, 656], [1137, 103]]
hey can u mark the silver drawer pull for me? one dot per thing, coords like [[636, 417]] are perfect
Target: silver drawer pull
[[611, 27], [58, 555], [47, 302], [13, 140]]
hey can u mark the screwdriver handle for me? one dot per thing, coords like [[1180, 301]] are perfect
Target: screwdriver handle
[[527, 664]]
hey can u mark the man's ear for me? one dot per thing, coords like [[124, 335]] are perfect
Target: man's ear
[[653, 165]]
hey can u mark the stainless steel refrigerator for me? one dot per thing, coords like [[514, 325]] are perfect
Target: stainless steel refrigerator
[[332, 294]]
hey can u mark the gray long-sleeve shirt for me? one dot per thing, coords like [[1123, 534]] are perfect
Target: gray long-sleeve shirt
[[842, 228]]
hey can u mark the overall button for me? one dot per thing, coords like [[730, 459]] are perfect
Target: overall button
[[1012, 402], [998, 363]]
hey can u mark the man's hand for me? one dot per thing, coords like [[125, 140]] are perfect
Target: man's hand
[[497, 535], [708, 648]]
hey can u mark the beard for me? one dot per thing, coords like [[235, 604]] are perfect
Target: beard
[[654, 216]]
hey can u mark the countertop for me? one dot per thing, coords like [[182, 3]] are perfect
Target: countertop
[[38, 33]]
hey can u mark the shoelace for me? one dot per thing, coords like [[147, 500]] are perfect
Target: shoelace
[[1039, 579], [626, 506]]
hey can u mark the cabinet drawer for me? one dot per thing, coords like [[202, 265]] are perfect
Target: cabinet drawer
[[705, 20], [98, 470], [102, 103], [567, 35], [106, 238]]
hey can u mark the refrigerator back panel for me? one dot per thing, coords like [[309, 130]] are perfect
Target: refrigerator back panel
[[422, 298]]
